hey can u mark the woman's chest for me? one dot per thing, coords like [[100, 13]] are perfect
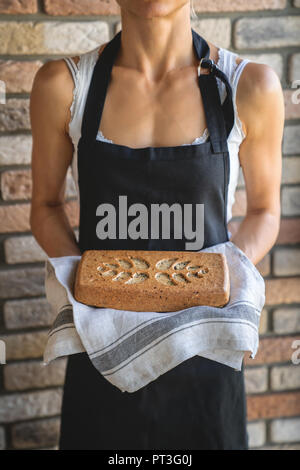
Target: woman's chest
[[138, 114]]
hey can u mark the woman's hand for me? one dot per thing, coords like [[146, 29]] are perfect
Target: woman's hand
[[52, 154], [261, 109]]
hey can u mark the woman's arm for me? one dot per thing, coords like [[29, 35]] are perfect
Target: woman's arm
[[52, 153], [261, 109]]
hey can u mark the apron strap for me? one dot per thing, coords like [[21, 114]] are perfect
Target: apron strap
[[227, 107], [213, 112], [219, 118], [98, 89], [200, 45]]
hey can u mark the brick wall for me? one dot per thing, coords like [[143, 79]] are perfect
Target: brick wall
[[31, 33]]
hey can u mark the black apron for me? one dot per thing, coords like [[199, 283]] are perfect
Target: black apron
[[199, 404]]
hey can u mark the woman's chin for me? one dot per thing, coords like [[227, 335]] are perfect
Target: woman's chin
[[152, 8]]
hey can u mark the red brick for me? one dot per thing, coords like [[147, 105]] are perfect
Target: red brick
[[81, 7], [18, 76], [12, 7], [289, 231], [16, 185], [266, 32], [38, 433], [264, 266], [282, 291], [294, 64], [14, 116], [24, 406], [97, 7], [238, 5], [286, 262], [273, 350], [15, 218], [292, 110], [33, 374], [273, 405], [25, 345]]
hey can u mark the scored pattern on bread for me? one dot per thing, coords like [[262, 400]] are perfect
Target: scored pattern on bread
[[148, 281], [188, 272]]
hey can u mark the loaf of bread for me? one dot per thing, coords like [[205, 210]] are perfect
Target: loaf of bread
[[151, 281]]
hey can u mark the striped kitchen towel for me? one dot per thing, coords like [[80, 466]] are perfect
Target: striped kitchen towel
[[131, 349]]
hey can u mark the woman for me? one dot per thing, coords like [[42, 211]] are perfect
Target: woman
[[148, 148]]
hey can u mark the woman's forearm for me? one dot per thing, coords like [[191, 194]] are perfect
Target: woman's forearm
[[51, 228], [257, 234]]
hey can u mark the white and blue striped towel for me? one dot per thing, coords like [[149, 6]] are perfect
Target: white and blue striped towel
[[131, 349]]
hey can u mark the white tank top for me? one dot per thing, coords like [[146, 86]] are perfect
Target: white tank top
[[82, 74]]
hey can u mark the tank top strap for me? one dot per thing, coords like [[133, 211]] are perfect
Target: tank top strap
[[72, 67]]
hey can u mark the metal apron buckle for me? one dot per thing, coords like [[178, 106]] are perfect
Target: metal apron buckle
[[207, 64]]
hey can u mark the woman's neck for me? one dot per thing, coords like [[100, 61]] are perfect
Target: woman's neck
[[157, 45]]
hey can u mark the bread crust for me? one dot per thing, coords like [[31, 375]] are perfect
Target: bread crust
[[154, 281]]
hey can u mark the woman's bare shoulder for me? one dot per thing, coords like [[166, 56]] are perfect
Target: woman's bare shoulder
[[259, 86], [53, 76], [53, 88], [257, 80], [258, 83], [259, 92], [52, 93]]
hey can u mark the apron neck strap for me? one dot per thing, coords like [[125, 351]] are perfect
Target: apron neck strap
[[98, 88], [214, 113]]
